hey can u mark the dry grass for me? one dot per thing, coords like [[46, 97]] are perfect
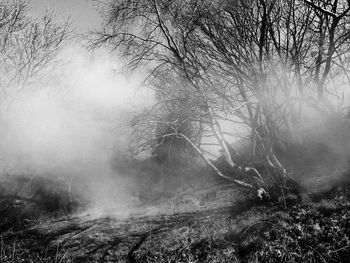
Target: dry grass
[[237, 233]]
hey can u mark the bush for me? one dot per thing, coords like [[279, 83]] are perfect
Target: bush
[[26, 197], [308, 234]]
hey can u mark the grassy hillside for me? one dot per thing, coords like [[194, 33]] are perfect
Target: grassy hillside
[[206, 229]]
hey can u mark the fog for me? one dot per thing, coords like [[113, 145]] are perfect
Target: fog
[[70, 124]]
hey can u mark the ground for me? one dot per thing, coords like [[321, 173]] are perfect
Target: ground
[[208, 226]]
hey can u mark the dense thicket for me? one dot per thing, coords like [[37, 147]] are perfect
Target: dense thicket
[[254, 69]]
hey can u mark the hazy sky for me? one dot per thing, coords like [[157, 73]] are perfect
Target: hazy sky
[[83, 14]]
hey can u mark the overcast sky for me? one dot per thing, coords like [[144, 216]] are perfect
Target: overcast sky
[[83, 14]]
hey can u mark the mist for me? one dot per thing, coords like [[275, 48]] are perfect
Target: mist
[[70, 125]]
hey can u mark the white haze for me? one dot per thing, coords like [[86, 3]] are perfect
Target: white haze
[[70, 126]]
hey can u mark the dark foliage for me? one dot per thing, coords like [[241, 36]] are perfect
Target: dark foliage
[[304, 233], [24, 197]]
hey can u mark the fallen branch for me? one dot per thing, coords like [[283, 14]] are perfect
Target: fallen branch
[[218, 172]]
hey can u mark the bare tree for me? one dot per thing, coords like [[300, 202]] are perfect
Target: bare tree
[[27, 45], [258, 64], [27, 48]]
